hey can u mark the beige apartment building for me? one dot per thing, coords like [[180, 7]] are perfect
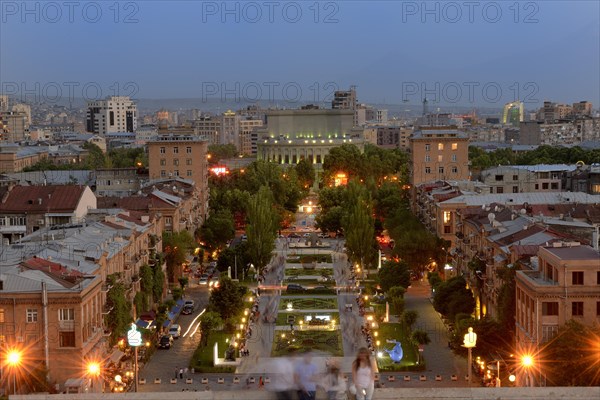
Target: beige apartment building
[[439, 153], [564, 286]]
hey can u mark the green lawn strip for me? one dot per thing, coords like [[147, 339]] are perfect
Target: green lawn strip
[[202, 359], [310, 293], [282, 317], [306, 303], [308, 258], [395, 331], [309, 282], [317, 340], [308, 271]]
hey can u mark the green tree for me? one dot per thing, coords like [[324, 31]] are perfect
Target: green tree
[[262, 228], [218, 229], [306, 173], [420, 337], [176, 246], [147, 282], [221, 151], [409, 318], [228, 299], [330, 220], [209, 321], [434, 279], [119, 316], [394, 273], [346, 158], [575, 349], [359, 227], [177, 293], [95, 158], [159, 280], [452, 297], [183, 282]]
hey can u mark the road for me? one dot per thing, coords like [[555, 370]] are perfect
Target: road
[[164, 362]]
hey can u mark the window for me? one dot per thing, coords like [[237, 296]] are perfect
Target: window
[[427, 158], [188, 150], [188, 172], [440, 170], [188, 161], [598, 278], [545, 186], [67, 339], [454, 170], [499, 189], [577, 308], [168, 221], [598, 309], [537, 187], [440, 158], [499, 178], [554, 186], [515, 177], [454, 158], [440, 146], [446, 217], [175, 150], [454, 146], [163, 161], [549, 308], [163, 173], [427, 170], [66, 314], [596, 188], [427, 147], [515, 189], [32, 315], [447, 229], [176, 161], [577, 278], [176, 172], [163, 150], [1, 315]]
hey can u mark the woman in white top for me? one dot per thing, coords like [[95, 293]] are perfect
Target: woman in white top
[[363, 375]]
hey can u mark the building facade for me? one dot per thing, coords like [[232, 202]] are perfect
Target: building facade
[[114, 114], [439, 153]]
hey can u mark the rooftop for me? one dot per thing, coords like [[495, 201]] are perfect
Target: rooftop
[[522, 198], [41, 199], [573, 252]]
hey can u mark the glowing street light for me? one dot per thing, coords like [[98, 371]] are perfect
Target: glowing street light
[[469, 341], [13, 359], [527, 362], [93, 368]]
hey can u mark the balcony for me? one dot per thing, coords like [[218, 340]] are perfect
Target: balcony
[[106, 287], [107, 309], [127, 266]]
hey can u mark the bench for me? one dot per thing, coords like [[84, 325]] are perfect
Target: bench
[[376, 377], [438, 377], [406, 378], [267, 379], [220, 380], [173, 381], [422, 378], [204, 381], [391, 378], [454, 377], [189, 381], [236, 379], [157, 381], [252, 380], [142, 381]]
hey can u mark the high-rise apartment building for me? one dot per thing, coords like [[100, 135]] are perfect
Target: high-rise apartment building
[[439, 153], [346, 100], [114, 114], [3, 102], [513, 113]]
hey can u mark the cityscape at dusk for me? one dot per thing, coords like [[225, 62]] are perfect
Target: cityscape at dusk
[[299, 200]]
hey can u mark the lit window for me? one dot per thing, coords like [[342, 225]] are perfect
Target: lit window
[[440, 158], [446, 217], [440, 146], [454, 146]]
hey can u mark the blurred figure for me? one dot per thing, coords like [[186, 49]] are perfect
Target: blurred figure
[[282, 383], [305, 376], [363, 375], [333, 382]]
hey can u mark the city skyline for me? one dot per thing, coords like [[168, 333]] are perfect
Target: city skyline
[[394, 52]]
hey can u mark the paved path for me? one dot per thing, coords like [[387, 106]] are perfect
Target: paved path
[[439, 357]]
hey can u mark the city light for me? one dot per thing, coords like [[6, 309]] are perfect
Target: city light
[[527, 361], [13, 358], [93, 368]]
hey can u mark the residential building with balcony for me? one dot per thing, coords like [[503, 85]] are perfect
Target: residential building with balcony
[[564, 285], [527, 178], [26, 209]]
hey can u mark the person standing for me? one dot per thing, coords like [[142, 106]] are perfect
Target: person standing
[[363, 375], [333, 382], [305, 375]]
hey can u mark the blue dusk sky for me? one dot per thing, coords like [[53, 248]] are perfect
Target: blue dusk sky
[[480, 53]]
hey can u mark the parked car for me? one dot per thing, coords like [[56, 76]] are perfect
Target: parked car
[[294, 287], [175, 331], [203, 279], [165, 342], [214, 283], [189, 303], [212, 264], [187, 310], [323, 279]]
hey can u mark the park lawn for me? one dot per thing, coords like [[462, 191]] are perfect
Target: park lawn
[[202, 359], [308, 271], [307, 303], [326, 341], [309, 282], [282, 317], [395, 331], [306, 258]]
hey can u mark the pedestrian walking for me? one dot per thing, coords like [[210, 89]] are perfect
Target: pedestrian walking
[[180, 373], [363, 375], [176, 372]]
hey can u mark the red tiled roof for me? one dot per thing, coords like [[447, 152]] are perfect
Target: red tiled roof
[[50, 267], [42, 199], [136, 203], [134, 216], [520, 235]]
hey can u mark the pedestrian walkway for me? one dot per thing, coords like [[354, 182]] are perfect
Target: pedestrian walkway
[[439, 358]]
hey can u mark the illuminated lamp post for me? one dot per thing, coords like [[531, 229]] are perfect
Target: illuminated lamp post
[[470, 340], [13, 359]]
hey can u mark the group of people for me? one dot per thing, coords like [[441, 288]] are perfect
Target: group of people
[[366, 331], [300, 380]]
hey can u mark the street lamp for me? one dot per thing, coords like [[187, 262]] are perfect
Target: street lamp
[[13, 359], [470, 340], [93, 370], [527, 362]]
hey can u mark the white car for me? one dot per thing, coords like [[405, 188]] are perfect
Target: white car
[[175, 331]]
